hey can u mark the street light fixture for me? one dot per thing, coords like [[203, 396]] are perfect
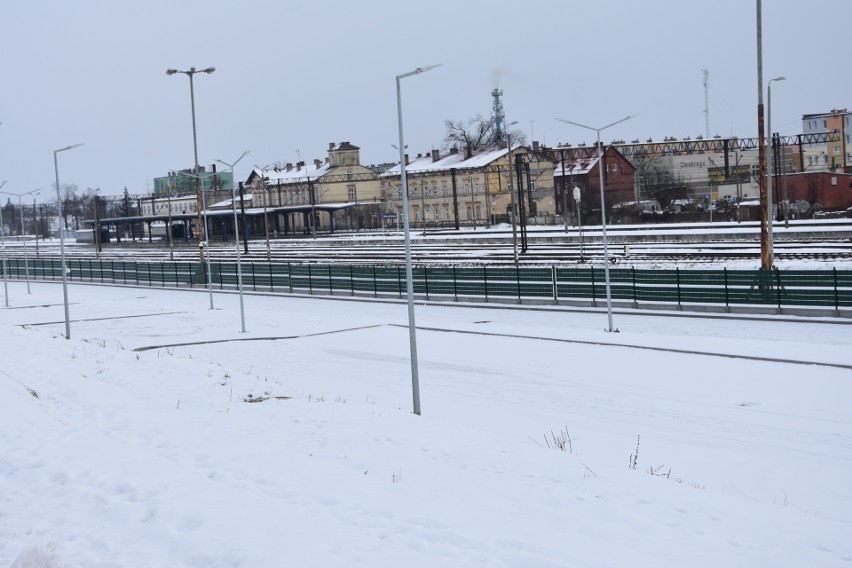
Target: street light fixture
[[409, 284], [769, 171], [23, 232], [237, 239], [603, 210], [204, 245], [61, 224], [199, 201]]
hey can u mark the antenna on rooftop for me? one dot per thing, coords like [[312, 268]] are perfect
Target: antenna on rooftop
[[706, 74]]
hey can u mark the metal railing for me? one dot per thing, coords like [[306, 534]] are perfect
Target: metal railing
[[830, 289]]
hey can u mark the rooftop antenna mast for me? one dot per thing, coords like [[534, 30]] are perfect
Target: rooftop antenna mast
[[706, 74], [497, 114]]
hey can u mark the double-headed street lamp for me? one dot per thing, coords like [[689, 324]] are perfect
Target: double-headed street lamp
[[61, 224], [769, 171], [23, 232], [409, 279], [603, 209], [199, 205], [237, 238]]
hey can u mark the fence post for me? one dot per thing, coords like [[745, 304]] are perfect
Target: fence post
[[635, 295], [485, 281], [352, 280], [290, 276], [836, 299], [594, 294], [150, 283], [518, 281], [778, 287], [271, 278], [426, 280], [455, 285], [677, 276], [555, 285], [330, 282], [162, 275], [375, 283], [253, 279], [399, 280], [310, 280], [725, 272]]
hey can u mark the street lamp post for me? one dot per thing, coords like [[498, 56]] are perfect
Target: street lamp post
[[262, 184], [237, 240], [204, 245], [577, 196], [62, 239], [199, 201], [769, 171], [511, 187], [3, 244], [603, 210], [409, 284], [23, 231]]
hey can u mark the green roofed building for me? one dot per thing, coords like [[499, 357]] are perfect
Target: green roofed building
[[182, 182]]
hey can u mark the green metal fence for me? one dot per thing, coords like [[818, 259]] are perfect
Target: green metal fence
[[788, 288]]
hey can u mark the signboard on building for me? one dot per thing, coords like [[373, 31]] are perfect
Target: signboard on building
[[736, 174]]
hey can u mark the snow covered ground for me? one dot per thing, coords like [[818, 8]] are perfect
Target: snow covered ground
[[161, 436]]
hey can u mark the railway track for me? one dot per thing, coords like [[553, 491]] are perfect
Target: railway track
[[636, 245]]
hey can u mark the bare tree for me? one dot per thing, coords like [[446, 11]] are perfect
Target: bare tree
[[475, 134], [657, 181]]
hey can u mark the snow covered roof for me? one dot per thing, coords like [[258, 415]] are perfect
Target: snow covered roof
[[424, 164], [308, 171], [575, 167]]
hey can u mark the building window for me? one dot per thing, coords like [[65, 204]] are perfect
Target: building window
[[434, 189], [445, 189], [351, 192], [464, 192], [532, 185]]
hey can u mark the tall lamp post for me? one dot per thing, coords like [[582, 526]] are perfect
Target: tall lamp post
[[769, 171], [204, 245], [409, 284], [510, 186], [23, 231], [603, 210], [578, 195], [61, 224], [3, 244], [237, 239], [262, 184], [199, 205]]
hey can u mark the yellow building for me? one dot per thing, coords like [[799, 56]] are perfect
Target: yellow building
[[337, 193], [458, 189]]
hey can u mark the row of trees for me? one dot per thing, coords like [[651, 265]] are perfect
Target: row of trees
[[77, 206]]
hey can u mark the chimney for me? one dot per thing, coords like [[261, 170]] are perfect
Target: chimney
[[289, 166], [406, 159], [454, 151], [331, 145], [535, 146], [317, 164], [436, 155], [214, 168]]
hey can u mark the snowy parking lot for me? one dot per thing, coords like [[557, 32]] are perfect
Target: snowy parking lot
[[159, 435]]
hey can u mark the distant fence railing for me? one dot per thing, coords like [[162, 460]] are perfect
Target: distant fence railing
[[775, 288]]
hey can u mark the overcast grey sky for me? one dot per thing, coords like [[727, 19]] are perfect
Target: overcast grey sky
[[293, 75]]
